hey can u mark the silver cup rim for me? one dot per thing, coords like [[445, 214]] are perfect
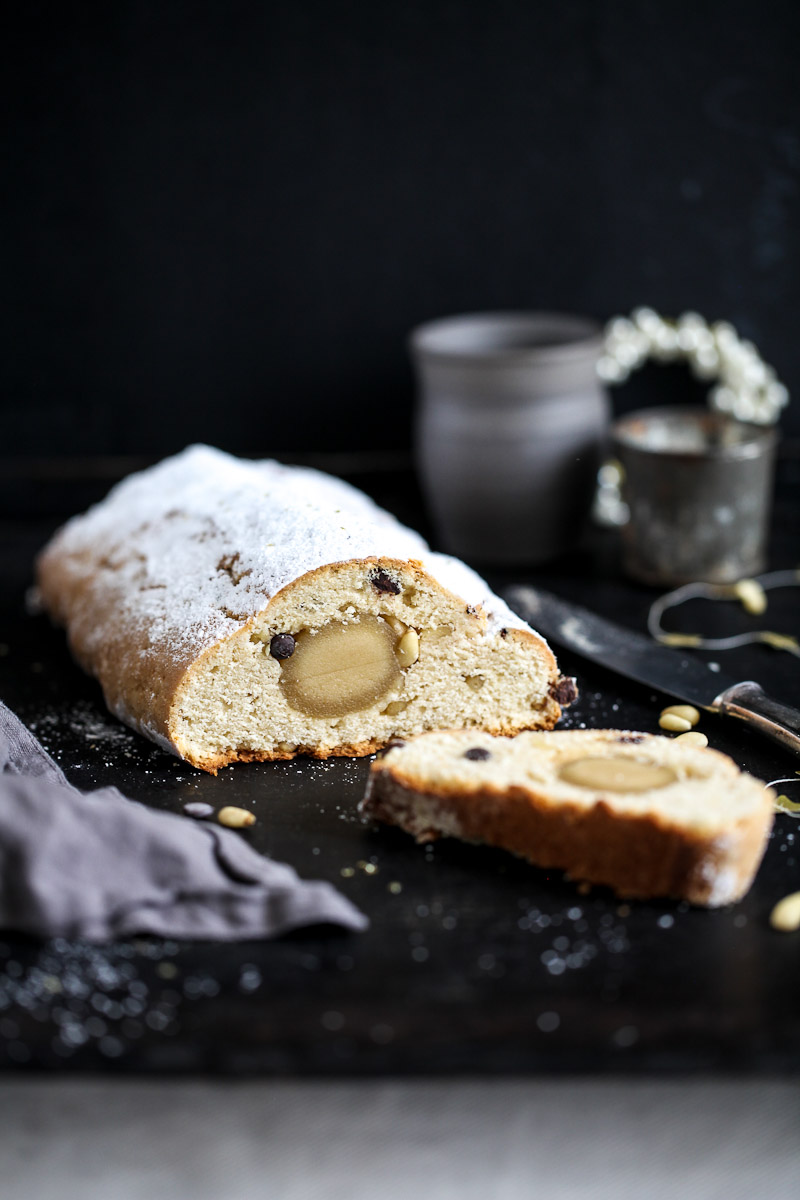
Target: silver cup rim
[[500, 337], [755, 439]]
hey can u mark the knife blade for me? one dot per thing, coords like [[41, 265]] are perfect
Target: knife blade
[[639, 657]]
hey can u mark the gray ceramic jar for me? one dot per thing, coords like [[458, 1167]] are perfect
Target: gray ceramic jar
[[511, 427]]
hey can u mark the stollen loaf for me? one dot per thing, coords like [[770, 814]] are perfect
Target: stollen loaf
[[644, 815], [240, 610]]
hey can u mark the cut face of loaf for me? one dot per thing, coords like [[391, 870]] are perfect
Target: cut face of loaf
[[644, 815], [246, 610]]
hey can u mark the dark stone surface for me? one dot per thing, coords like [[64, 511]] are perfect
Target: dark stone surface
[[468, 947]]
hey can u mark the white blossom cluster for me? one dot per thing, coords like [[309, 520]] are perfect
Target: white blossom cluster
[[746, 387]]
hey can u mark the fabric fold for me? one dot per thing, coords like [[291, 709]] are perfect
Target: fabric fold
[[99, 866]]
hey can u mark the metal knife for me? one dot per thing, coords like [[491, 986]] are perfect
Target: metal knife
[[640, 658]]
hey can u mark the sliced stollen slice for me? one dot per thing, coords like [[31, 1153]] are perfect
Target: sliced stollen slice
[[237, 610], [644, 815]]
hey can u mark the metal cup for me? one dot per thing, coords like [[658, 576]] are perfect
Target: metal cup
[[698, 486], [511, 426]]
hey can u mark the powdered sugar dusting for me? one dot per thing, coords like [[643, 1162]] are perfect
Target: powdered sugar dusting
[[725, 884], [194, 547], [84, 720], [461, 579]]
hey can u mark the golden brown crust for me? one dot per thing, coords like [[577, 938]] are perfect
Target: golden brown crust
[[357, 749], [637, 855], [139, 682]]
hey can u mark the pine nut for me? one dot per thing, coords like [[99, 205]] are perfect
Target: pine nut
[[687, 711], [692, 738], [408, 648], [785, 916], [235, 818], [673, 723], [752, 596]]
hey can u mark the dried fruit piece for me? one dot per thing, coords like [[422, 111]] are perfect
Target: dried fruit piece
[[564, 691], [384, 583], [235, 818], [282, 646], [477, 754], [341, 668]]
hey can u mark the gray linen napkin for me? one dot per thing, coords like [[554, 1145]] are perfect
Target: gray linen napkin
[[98, 866]]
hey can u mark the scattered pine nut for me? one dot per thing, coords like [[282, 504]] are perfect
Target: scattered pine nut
[[785, 916], [235, 818], [752, 596], [369, 868], [692, 738], [687, 712], [673, 723]]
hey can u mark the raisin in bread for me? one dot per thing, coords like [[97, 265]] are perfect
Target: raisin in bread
[[248, 610], [645, 815]]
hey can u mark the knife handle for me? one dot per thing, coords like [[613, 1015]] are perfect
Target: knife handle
[[750, 702]]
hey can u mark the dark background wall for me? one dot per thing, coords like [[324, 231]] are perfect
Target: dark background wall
[[220, 219]]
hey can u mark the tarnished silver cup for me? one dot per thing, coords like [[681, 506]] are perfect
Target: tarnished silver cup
[[698, 486], [511, 425]]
